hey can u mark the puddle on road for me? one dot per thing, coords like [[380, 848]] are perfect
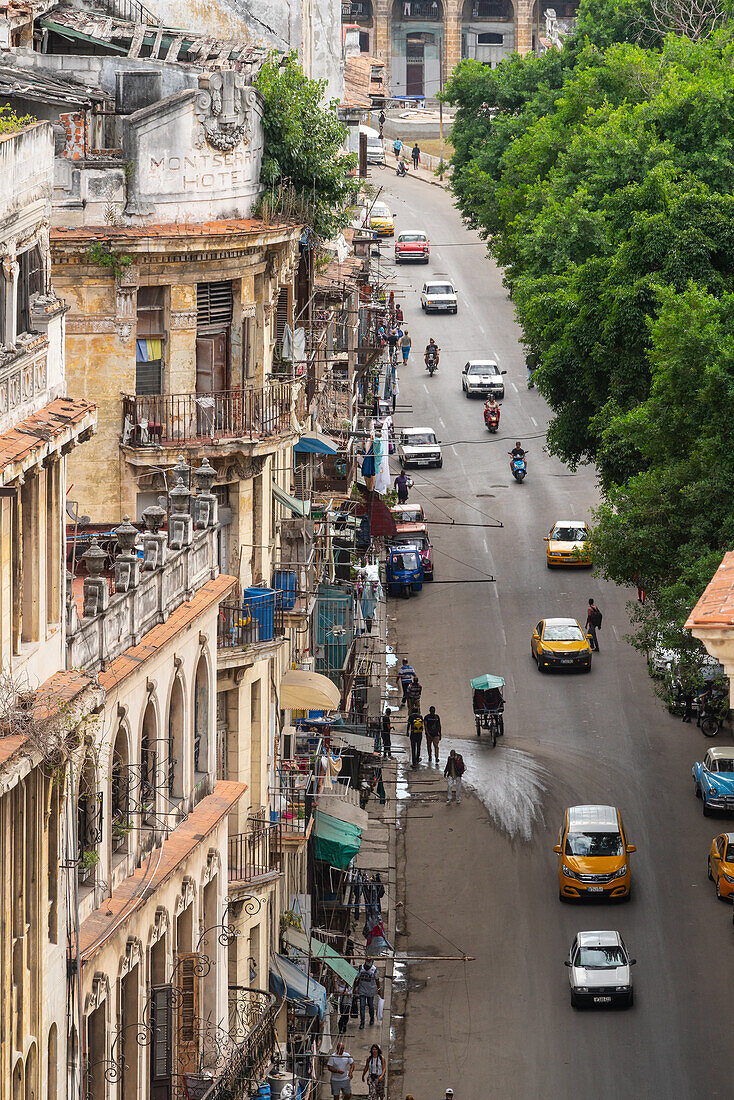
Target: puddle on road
[[510, 784]]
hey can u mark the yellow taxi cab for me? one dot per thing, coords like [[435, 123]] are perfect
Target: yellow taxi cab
[[381, 220], [721, 864], [592, 854], [567, 543], [560, 643]]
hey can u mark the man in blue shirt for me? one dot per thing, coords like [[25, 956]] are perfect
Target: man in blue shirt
[[406, 674]]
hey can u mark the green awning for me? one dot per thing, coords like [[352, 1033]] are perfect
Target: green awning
[[335, 842], [298, 507], [322, 951]]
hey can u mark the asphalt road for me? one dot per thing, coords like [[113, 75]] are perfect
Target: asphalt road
[[483, 876]]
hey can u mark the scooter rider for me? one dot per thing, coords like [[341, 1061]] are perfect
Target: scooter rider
[[517, 452], [491, 406], [433, 352], [491, 413]]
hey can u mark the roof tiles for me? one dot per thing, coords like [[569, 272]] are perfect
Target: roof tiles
[[716, 606], [30, 438]]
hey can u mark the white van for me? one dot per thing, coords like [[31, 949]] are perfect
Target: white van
[[375, 148]]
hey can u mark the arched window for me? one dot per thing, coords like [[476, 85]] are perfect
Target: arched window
[[148, 765], [31, 1069], [120, 793], [89, 822], [176, 740], [52, 1069], [201, 717]]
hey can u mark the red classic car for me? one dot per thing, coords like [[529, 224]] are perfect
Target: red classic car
[[412, 245]]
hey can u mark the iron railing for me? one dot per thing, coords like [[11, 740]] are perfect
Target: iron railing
[[419, 9], [292, 804], [241, 626], [488, 9], [253, 1037], [171, 419], [254, 853]]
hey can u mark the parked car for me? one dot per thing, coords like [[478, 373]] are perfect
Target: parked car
[[419, 447], [560, 643], [600, 970], [381, 220], [415, 536], [439, 295], [592, 852], [713, 778], [375, 147], [412, 245], [408, 513], [567, 543], [480, 377], [721, 865]]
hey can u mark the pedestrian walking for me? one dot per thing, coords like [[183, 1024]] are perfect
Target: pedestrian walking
[[413, 693], [415, 733], [382, 121], [368, 987], [398, 313], [386, 731], [416, 155], [403, 482], [453, 772], [346, 1007], [641, 588], [397, 146], [405, 345], [374, 1070], [406, 674], [593, 623], [432, 726], [392, 341], [341, 1068]]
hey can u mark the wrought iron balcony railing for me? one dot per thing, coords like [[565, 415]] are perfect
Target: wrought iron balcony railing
[[254, 621], [172, 419], [254, 853]]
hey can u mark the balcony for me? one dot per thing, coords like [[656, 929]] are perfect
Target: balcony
[[176, 419], [292, 803], [245, 1050], [406, 10], [256, 853], [359, 11], [255, 619], [495, 11]]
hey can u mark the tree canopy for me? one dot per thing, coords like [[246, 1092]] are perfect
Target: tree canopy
[[303, 163], [602, 175]]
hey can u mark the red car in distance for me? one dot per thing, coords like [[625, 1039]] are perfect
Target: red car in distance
[[412, 245]]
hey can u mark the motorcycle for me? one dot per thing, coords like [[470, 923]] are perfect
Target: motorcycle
[[492, 418], [432, 362], [518, 466], [401, 169]]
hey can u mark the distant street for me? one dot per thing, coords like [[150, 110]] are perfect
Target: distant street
[[482, 876]]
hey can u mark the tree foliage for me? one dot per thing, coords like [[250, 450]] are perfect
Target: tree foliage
[[602, 175], [303, 146]]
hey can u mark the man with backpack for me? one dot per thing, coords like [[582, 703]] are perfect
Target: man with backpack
[[593, 623], [415, 732]]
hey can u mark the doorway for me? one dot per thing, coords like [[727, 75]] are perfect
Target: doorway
[[414, 65]]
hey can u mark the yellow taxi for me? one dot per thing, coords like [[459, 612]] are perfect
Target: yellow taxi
[[721, 865], [381, 220], [560, 643], [592, 852], [567, 543]]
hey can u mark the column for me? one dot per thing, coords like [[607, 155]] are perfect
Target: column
[[451, 39], [524, 26]]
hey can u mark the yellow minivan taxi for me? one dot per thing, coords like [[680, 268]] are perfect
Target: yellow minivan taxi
[[381, 220], [593, 854]]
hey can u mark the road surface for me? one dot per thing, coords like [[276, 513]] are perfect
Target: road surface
[[482, 877]]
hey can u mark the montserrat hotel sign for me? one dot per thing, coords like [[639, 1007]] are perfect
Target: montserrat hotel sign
[[197, 154]]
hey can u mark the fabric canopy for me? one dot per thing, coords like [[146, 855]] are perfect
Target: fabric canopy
[[286, 980], [316, 444], [354, 740], [335, 804], [484, 683], [322, 951], [308, 691], [335, 842], [298, 507]]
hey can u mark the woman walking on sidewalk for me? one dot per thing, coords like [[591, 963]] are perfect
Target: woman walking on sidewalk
[[374, 1070]]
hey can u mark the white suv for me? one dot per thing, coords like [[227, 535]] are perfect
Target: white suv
[[439, 295]]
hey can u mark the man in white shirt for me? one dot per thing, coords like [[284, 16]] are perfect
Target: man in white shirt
[[341, 1068]]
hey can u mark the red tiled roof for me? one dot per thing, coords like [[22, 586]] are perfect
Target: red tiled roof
[[158, 866], [231, 227], [28, 441], [153, 640], [61, 688], [716, 605]]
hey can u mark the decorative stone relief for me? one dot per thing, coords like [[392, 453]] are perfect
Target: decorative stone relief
[[90, 325], [126, 294], [160, 926], [133, 955], [98, 993], [183, 319], [185, 898], [224, 111], [213, 864]]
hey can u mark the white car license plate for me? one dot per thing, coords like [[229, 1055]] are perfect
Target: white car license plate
[[566, 661], [602, 1000], [595, 889], [422, 461]]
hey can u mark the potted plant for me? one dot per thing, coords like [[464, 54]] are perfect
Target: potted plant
[[87, 862]]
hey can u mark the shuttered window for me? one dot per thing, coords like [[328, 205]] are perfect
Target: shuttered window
[[189, 1022], [150, 334], [213, 305], [30, 281], [161, 1001], [281, 316]]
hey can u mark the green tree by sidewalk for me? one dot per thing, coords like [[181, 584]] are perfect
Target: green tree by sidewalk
[[303, 149]]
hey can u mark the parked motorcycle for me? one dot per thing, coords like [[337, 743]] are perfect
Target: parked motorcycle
[[518, 467], [492, 418]]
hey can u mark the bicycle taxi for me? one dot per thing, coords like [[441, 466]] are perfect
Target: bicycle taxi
[[488, 705]]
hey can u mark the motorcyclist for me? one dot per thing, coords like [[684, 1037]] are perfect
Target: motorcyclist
[[491, 405], [517, 451], [401, 169], [433, 352]]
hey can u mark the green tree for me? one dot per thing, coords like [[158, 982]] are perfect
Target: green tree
[[303, 149]]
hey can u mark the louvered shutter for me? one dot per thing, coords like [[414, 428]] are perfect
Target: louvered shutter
[[281, 316], [213, 305], [188, 1013], [160, 1051], [302, 478]]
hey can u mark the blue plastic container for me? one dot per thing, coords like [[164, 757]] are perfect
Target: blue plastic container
[[286, 587], [260, 604], [263, 1093]]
